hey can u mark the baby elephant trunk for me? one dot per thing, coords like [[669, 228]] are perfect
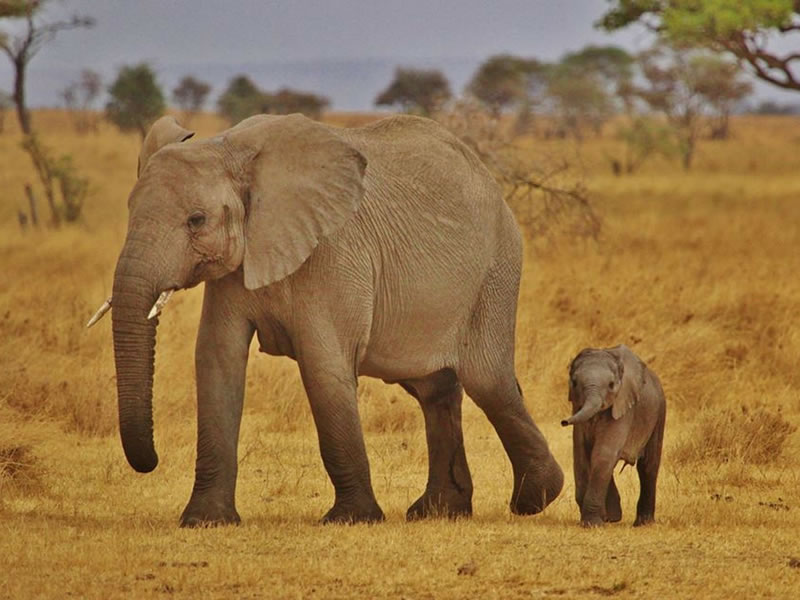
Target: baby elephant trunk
[[589, 409]]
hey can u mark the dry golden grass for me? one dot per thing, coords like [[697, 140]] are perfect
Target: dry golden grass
[[697, 272]]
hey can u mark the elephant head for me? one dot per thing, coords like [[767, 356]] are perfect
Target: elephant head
[[258, 197], [602, 379]]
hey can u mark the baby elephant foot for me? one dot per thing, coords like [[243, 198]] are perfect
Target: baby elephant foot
[[450, 504], [348, 513], [643, 520], [208, 514]]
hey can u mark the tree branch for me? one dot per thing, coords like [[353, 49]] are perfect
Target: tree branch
[[764, 63]]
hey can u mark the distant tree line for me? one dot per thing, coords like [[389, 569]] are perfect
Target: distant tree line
[[670, 96]]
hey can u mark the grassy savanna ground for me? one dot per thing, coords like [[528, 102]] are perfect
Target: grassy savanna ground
[[697, 272]]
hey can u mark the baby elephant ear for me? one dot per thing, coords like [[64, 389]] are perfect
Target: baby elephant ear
[[632, 380], [305, 182], [164, 131]]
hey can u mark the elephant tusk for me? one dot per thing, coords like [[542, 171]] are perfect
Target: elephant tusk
[[106, 306], [160, 304]]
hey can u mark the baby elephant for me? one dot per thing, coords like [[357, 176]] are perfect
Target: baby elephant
[[631, 431]]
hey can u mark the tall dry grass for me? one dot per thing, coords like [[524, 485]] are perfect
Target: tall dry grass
[[696, 272]]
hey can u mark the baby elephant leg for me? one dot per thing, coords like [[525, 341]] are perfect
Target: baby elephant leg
[[601, 471], [647, 467]]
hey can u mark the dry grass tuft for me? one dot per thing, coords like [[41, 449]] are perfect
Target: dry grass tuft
[[20, 471], [754, 436]]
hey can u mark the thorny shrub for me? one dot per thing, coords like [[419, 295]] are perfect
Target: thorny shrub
[[18, 468], [543, 192]]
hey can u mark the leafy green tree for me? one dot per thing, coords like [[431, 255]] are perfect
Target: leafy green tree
[[505, 81], [610, 67], [190, 95], [687, 86], [743, 28], [287, 101], [644, 137], [136, 99], [719, 81], [241, 99], [672, 90], [416, 91]]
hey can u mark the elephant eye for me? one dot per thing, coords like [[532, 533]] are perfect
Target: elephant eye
[[196, 221], [611, 385]]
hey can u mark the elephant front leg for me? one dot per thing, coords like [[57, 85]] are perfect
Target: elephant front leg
[[580, 463], [331, 392], [449, 489], [220, 362], [601, 471]]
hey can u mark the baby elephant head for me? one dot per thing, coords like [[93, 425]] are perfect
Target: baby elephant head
[[602, 379]]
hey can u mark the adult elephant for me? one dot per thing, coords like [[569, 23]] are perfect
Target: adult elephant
[[384, 251]]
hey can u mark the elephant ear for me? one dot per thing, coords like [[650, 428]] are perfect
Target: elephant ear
[[632, 375], [304, 184], [165, 130]]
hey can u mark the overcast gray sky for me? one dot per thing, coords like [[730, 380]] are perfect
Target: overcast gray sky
[[320, 45]]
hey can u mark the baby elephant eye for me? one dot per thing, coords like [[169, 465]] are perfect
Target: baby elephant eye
[[611, 385], [196, 221]]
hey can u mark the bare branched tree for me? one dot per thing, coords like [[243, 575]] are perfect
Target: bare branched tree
[[21, 48], [544, 194], [79, 98], [5, 104]]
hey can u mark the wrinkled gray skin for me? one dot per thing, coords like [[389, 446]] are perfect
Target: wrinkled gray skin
[[384, 251], [619, 413]]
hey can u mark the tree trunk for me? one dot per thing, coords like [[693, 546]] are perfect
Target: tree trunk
[[23, 115], [32, 203]]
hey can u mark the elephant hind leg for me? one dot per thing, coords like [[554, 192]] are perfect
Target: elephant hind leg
[[613, 507], [448, 492], [538, 479], [647, 467], [486, 370]]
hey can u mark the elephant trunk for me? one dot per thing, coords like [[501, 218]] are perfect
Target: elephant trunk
[[134, 355], [590, 408]]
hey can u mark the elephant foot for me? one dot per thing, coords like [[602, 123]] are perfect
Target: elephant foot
[[448, 504], [592, 521], [209, 516], [642, 520], [532, 493], [344, 513], [613, 515]]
